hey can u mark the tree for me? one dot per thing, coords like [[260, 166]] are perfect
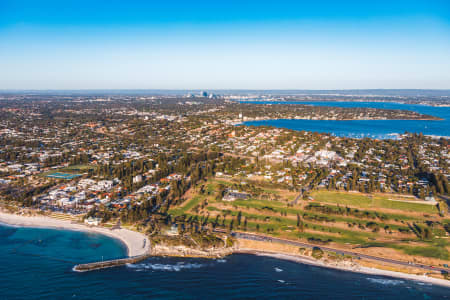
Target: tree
[[300, 224], [239, 216], [231, 225]]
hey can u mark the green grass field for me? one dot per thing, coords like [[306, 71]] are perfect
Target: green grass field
[[277, 218], [187, 206], [363, 201], [70, 169], [80, 168]]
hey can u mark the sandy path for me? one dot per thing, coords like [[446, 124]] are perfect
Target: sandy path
[[132, 239]]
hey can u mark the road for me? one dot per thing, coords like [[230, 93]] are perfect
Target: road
[[295, 202], [300, 195], [258, 237]]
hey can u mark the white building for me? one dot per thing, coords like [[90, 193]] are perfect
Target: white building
[[91, 221]]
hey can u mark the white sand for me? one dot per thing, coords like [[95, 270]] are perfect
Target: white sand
[[358, 269], [132, 239], [134, 242]]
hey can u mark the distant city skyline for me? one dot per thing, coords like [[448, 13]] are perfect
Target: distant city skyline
[[233, 45]]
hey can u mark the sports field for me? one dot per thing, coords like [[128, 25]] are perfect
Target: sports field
[[59, 175]]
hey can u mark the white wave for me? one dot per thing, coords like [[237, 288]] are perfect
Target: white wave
[[282, 281], [278, 270], [386, 281], [423, 283], [165, 267], [221, 260]]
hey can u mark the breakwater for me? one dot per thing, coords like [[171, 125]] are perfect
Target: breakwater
[[110, 263], [157, 250]]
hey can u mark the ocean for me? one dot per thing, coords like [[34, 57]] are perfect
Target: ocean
[[37, 264], [380, 129]]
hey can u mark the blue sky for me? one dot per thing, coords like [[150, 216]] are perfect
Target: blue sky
[[224, 44]]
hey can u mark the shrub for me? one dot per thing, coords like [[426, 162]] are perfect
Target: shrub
[[317, 253]]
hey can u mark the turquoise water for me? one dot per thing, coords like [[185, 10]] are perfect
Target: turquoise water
[[367, 128], [37, 264], [60, 175]]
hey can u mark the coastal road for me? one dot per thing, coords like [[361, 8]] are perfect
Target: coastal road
[[263, 238]]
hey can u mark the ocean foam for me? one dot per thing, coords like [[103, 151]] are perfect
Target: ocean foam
[[386, 281], [165, 267], [278, 270], [423, 283]]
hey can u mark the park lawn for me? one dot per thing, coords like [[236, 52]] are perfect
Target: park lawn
[[211, 188], [363, 201], [332, 219], [279, 224], [390, 216], [194, 201], [284, 227], [257, 203], [70, 169], [263, 204], [279, 231], [408, 206], [212, 185], [436, 249], [346, 237], [275, 191], [79, 168], [283, 194], [351, 199], [221, 181], [432, 251]]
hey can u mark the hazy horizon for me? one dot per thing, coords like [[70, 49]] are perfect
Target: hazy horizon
[[281, 92], [287, 45]]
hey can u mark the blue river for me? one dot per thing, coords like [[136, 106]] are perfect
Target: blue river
[[380, 129], [37, 264]]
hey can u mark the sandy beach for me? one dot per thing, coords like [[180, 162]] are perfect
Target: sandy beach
[[133, 240], [358, 269]]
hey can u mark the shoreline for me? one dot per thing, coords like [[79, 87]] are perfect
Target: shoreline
[[132, 240], [343, 100], [359, 269], [347, 266], [243, 123]]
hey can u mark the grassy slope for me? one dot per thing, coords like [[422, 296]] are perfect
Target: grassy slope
[[278, 219], [363, 201]]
